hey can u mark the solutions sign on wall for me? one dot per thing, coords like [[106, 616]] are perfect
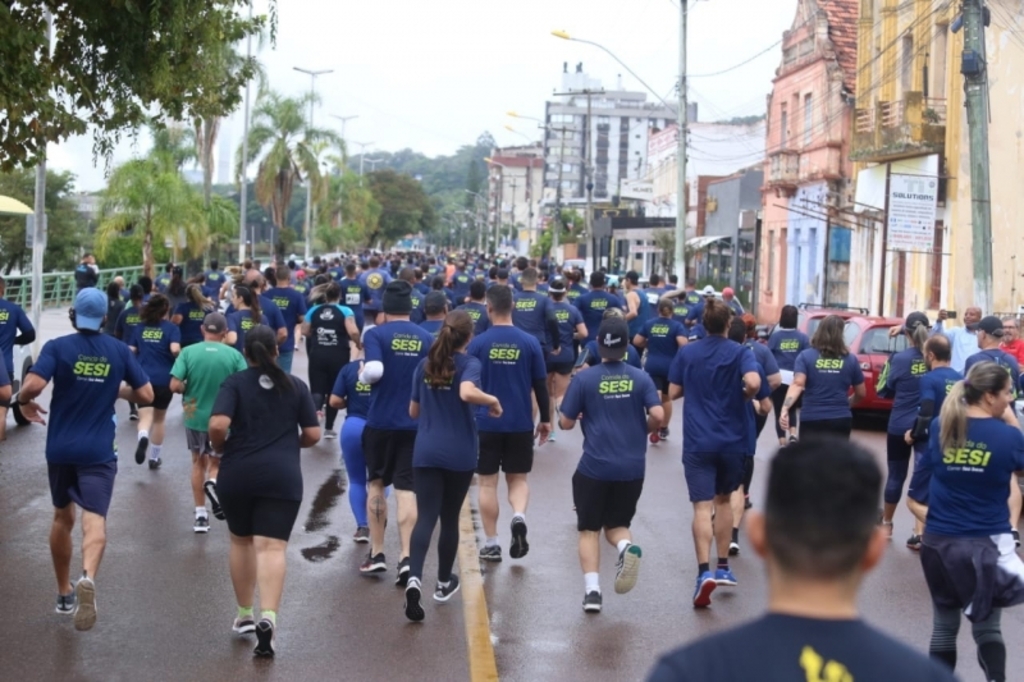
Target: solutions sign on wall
[[912, 201]]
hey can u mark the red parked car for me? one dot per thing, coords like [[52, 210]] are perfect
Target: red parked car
[[868, 338], [811, 315]]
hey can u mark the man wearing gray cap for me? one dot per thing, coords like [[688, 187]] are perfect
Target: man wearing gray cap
[[198, 373]]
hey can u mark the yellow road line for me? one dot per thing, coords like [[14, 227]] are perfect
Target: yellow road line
[[482, 666]]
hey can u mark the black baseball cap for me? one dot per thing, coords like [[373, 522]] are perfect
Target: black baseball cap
[[992, 326], [612, 338], [917, 319]]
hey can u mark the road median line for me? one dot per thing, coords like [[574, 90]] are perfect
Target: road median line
[[482, 665]]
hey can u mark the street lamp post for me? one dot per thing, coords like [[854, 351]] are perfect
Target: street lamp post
[[680, 231], [498, 198], [243, 196], [309, 180], [476, 218], [344, 162], [362, 155]]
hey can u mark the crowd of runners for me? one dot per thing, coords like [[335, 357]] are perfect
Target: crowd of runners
[[457, 368]]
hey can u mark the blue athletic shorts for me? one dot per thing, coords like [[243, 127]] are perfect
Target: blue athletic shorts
[[90, 486], [712, 473], [921, 479]]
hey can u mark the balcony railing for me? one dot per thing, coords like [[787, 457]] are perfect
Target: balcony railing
[[904, 127], [784, 169]]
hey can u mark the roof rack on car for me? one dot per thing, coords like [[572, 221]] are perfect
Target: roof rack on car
[[831, 306]]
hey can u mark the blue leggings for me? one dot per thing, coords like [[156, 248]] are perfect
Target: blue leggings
[[898, 456], [355, 465]]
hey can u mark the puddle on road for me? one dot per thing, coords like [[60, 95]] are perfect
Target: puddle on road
[[326, 497], [323, 551]]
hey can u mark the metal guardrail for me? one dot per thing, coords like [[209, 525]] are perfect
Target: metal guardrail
[[59, 287]]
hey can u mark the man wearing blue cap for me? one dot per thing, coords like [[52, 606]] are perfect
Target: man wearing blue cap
[[87, 369]]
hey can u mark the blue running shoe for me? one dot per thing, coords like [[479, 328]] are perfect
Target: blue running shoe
[[705, 586], [724, 576]]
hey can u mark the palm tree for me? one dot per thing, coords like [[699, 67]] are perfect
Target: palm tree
[[174, 144], [280, 136], [146, 195]]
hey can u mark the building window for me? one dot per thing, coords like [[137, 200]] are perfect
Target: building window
[[907, 64], [939, 61], [935, 295], [771, 259], [808, 119], [784, 124]]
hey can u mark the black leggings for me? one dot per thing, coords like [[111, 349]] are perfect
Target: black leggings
[[778, 400], [839, 428], [319, 400], [439, 494], [987, 635], [748, 474]]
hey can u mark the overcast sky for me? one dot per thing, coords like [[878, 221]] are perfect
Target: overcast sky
[[433, 75]]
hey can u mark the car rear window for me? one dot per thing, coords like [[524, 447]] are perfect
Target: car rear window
[[877, 340]]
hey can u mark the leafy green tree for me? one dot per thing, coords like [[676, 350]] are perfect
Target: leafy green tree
[[65, 226], [405, 207], [145, 196], [112, 65], [287, 148]]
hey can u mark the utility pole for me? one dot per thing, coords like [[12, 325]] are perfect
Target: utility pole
[[243, 197], [39, 227], [588, 185], [557, 223], [680, 233], [309, 177], [973, 68], [512, 203], [344, 163]]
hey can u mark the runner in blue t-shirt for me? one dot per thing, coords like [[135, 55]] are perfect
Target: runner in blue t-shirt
[[460, 283], [967, 553], [786, 342], [662, 336], [476, 308], [619, 406], [15, 330], [513, 364], [157, 342], [593, 304], [900, 380], [87, 369], [353, 396], [533, 313], [354, 294], [392, 352], [445, 387], [570, 331], [189, 315], [214, 281], [824, 374], [292, 305], [718, 377], [375, 279]]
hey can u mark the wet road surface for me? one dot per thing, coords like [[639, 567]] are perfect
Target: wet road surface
[[166, 604]]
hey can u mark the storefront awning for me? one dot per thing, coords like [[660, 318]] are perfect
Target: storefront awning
[[699, 243]]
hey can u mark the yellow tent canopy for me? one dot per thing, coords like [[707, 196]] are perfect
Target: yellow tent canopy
[[9, 205]]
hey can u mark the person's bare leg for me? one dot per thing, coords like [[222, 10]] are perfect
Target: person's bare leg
[[590, 551], [242, 560], [213, 467], [723, 525], [198, 478], [406, 519], [377, 514], [61, 547], [616, 535], [736, 504], [488, 501], [156, 431], [1015, 502], [920, 512], [270, 570], [703, 530], [666, 405], [94, 542], [518, 493], [146, 419]]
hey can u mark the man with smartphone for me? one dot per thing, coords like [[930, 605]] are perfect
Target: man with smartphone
[[963, 340]]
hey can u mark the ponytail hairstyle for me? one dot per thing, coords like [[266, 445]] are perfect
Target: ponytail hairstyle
[[455, 333], [155, 310], [332, 292], [251, 300], [666, 308], [261, 350], [984, 378], [194, 292]]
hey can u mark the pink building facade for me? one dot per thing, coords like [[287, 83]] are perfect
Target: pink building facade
[[805, 242]]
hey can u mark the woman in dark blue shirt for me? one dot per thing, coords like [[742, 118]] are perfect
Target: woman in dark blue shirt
[[662, 336], [445, 387], [157, 342], [189, 315], [968, 554], [824, 375], [901, 380], [353, 396], [786, 343]]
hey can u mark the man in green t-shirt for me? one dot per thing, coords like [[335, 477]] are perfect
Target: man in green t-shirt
[[198, 374]]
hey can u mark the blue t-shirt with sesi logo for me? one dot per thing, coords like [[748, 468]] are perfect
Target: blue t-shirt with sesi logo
[[786, 344], [399, 346], [901, 380], [662, 344], [354, 295], [460, 286], [153, 343], [478, 313], [568, 317], [967, 497], [355, 392], [936, 385], [191, 325], [446, 437], [1001, 358], [375, 281], [613, 399], [87, 370], [714, 420], [530, 312], [292, 305], [511, 360], [12, 321], [241, 322], [828, 384], [592, 306]]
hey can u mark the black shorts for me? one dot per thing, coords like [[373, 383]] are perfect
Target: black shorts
[[510, 452], [389, 456], [161, 398], [563, 368], [604, 504], [268, 517], [660, 383]]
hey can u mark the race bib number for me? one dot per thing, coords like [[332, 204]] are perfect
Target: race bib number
[[352, 299]]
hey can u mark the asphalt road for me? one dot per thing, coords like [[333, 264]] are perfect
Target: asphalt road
[[166, 604]]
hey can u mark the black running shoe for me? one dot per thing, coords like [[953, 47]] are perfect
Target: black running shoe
[[66, 603], [140, 450], [403, 572], [914, 542], [264, 638], [443, 593], [491, 553], [663, 434], [155, 463], [210, 487], [592, 602], [413, 607], [747, 504], [520, 547], [374, 564], [1016, 536]]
